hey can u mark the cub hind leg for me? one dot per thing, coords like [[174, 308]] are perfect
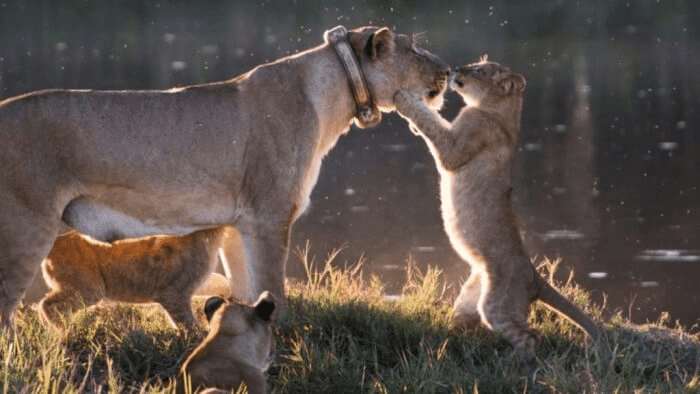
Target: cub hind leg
[[466, 306], [56, 306], [179, 308], [504, 308]]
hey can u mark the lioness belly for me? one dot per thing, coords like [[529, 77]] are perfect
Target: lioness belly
[[107, 224]]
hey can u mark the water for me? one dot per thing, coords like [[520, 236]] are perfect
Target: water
[[606, 177]]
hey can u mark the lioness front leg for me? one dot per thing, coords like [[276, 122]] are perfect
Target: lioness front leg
[[265, 260]]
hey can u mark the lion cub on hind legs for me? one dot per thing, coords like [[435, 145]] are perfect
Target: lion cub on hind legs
[[163, 269], [473, 155]]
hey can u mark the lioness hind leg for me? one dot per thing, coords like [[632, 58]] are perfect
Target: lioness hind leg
[[505, 309], [465, 308], [265, 262]]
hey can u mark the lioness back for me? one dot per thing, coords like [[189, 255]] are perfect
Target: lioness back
[[163, 269]]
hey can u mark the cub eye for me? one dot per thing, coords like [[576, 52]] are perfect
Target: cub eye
[[478, 72]]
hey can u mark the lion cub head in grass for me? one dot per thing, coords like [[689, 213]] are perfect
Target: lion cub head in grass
[[237, 348]]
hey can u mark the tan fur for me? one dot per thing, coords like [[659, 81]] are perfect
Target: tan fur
[[162, 269], [473, 155], [215, 285], [236, 349], [244, 152]]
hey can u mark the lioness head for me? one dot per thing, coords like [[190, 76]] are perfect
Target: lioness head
[[393, 62], [478, 81], [237, 347]]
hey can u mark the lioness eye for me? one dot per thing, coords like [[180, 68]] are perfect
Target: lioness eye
[[478, 71]]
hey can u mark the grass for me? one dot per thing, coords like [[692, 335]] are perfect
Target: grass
[[339, 334]]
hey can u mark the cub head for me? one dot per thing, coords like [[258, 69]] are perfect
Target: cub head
[[237, 347], [485, 81], [230, 318], [393, 62]]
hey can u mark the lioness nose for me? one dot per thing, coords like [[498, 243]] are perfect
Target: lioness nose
[[444, 71]]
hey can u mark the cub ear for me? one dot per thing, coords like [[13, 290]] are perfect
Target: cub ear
[[212, 304], [514, 83], [265, 306], [484, 58], [380, 43]]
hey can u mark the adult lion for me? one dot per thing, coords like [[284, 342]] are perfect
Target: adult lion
[[244, 152]]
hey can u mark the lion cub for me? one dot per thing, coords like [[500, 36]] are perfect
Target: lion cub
[[162, 269], [473, 155], [237, 348]]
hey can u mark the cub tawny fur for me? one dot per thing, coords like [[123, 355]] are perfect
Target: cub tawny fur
[[162, 269], [236, 349], [473, 155], [245, 152]]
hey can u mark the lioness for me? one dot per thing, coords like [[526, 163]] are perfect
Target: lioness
[[473, 155], [236, 349], [162, 269], [244, 152]]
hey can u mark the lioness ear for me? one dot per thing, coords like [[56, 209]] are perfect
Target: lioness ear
[[513, 83], [212, 304], [380, 43], [265, 306]]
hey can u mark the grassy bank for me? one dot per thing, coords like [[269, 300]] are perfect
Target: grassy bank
[[340, 335]]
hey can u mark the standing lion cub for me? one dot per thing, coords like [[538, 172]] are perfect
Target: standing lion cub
[[473, 155], [162, 269]]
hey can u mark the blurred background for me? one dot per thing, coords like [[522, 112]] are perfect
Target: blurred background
[[606, 176]]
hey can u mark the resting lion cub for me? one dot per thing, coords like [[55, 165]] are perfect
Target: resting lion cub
[[237, 348], [473, 155], [162, 269]]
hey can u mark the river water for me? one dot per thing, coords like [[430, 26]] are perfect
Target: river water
[[606, 176]]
